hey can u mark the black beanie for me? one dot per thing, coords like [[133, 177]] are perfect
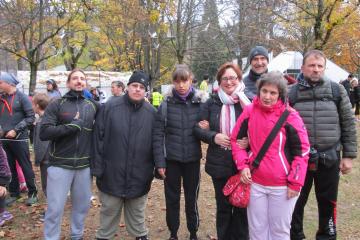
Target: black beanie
[[258, 50], [140, 77]]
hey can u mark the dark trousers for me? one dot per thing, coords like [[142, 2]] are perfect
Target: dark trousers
[[190, 174], [19, 151], [43, 175], [326, 181], [231, 222]]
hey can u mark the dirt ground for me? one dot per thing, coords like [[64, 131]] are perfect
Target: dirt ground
[[26, 224]]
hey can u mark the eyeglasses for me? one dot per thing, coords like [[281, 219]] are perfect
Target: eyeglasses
[[231, 78]]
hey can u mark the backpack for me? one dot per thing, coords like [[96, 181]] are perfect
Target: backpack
[[335, 89]]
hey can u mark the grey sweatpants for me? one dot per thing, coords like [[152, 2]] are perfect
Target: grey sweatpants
[[59, 182], [110, 213]]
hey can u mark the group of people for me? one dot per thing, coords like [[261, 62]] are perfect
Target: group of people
[[125, 142]]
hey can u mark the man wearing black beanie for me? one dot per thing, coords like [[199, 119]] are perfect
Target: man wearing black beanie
[[259, 60]]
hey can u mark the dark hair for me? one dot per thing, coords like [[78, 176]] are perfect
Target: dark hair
[[274, 78], [41, 99], [350, 75], [74, 71], [119, 84], [53, 83], [182, 72], [226, 66], [206, 76], [315, 53]]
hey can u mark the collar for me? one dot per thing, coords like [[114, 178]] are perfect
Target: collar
[[255, 76], [132, 103], [74, 94]]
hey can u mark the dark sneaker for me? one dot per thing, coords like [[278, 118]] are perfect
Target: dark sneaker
[[193, 236], [31, 200], [173, 238], [11, 200], [42, 217]]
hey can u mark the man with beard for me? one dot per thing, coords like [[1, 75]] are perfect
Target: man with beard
[[259, 60], [122, 159], [326, 111], [68, 124]]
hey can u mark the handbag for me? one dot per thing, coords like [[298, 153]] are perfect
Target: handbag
[[238, 193]]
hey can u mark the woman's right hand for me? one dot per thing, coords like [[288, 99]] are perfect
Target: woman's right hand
[[222, 140], [246, 176]]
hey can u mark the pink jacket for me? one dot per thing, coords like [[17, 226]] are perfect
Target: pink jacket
[[285, 162]]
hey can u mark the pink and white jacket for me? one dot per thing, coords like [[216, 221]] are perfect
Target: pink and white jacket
[[285, 162]]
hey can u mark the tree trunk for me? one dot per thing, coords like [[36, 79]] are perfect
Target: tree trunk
[[33, 73]]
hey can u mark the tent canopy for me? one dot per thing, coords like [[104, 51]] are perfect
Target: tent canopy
[[293, 60]]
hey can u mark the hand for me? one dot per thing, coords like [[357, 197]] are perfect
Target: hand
[[77, 116], [161, 172], [222, 140], [345, 165], [243, 143], [204, 125], [2, 191], [246, 176], [10, 134], [292, 193]]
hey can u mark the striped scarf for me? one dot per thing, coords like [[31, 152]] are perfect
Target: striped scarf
[[227, 116]]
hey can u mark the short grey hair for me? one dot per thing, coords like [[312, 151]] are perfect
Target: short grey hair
[[275, 78]]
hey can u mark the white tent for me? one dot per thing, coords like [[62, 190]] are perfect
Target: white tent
[[293, 60]]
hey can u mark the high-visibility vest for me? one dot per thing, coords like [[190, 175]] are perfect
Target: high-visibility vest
[[156, 99], [204, 86]]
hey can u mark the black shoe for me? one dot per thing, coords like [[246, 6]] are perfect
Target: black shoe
[[193, 236], [173, 238], [11, 200], [142, 238]]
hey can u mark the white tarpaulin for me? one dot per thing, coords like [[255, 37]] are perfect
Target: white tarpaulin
[[293, 60]]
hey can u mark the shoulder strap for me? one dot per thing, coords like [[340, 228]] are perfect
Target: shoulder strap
[[270, 138], [293, 94], [335, 89]]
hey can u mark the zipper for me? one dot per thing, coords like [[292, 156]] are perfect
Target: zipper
[[77, 135], [314, 112]]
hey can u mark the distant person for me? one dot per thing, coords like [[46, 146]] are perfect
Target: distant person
[[117, 88], [204, 85], [95, 94], [356, 93], [15, 117], [259, 60], [52, 89], [156, 98], [347, 85]]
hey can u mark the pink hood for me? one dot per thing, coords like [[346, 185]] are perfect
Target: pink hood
[[291, 142]]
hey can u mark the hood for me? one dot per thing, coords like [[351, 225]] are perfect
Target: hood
[[199, 94]]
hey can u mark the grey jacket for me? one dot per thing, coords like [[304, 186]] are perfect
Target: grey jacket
[[41, 148], [327, 124], [16, 113]]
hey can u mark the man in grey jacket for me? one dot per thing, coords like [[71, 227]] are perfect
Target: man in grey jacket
[[16, 115], [326, 111]]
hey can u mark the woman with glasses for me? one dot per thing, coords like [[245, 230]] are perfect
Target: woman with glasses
[[221, 112]]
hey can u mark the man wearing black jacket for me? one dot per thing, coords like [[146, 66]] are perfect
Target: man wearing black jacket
[[16, 114], [122, 160], [68, 124]]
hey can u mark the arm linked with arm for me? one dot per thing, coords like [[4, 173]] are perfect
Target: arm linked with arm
[[158, 138]]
